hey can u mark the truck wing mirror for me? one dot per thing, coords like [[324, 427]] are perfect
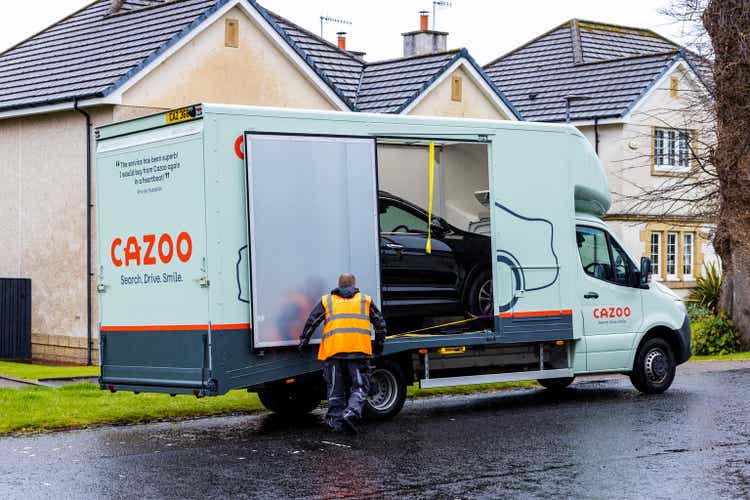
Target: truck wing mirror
[[645, 274]]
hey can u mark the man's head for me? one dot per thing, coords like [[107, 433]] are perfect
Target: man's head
[[347, 279]]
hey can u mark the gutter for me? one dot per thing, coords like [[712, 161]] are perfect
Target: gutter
[[88, 230]]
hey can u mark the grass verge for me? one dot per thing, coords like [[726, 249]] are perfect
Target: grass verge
[[35, 372], [723, 357]]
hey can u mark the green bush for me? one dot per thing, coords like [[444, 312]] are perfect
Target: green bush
[[707, 289], [714, 335], [696, 311]]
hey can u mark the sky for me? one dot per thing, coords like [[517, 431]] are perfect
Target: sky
[[488, 28]]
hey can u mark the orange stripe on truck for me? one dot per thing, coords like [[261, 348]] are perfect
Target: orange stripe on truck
[[173, 328], [531, 314]]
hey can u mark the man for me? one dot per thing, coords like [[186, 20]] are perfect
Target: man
[[345, 349]]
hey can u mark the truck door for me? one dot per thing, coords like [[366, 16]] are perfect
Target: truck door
[[611, 307], [312, 215]]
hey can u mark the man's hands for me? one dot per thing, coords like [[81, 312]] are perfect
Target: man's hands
[[301, 347], [377, 348]]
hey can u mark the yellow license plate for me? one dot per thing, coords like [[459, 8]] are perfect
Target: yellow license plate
[[181, 115]]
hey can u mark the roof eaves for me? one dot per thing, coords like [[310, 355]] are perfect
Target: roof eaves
[[301, 53], [651, 84]]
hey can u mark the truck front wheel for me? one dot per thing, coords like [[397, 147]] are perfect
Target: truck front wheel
[[387, 391], [291, 400], [654, 367]]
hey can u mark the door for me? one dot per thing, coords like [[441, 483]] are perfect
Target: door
[[414, 282], [610, 304], [312, 215]]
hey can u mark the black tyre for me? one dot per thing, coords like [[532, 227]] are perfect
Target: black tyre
[[479, 299], [387, 391], [555, 384], [289, 400], [654, 367]]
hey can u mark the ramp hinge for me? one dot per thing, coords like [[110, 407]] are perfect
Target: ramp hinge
[[204, 282]]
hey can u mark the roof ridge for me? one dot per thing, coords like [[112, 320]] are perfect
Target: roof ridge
[[625, 58], [621, 26], [419, 56]]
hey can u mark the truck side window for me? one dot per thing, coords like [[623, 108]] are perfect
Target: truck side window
[[394, 219], [594, 251]]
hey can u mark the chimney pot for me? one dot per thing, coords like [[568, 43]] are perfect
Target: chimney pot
[[115, 5], [342, 39], [424, 20]]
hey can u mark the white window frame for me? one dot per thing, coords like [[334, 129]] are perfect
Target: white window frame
[[688, 274], [655, 262], [672, 149], [676, 251]]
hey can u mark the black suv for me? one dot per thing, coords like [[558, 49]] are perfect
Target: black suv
[[455, 278]]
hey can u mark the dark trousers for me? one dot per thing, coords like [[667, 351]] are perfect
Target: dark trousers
[[348, 383]]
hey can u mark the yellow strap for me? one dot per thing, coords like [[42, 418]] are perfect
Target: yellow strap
[[428, 246], [413, 332]]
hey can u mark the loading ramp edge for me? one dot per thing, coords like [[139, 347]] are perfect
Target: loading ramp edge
[[495, 377]]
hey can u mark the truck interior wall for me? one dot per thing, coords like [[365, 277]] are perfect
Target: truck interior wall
[[460, 170]]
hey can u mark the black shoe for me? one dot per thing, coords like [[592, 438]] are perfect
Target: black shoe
[[349, 424]]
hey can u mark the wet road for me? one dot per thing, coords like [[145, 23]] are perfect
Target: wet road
[[599, 440]]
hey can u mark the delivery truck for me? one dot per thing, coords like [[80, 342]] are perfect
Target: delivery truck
[[220, 226]]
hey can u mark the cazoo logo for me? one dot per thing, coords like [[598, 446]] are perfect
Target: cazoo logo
[[611, 312], [144, 253]]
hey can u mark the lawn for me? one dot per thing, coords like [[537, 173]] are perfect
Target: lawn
[[723, 357], [35, 372]]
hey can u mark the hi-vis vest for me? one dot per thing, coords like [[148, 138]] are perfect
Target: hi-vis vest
[[347, 325]]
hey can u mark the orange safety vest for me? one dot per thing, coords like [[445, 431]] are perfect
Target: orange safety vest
[[347, 325]]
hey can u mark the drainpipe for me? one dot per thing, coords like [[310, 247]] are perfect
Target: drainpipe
[[596, 135], [88, 230]]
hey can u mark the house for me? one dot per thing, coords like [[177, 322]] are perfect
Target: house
[[118, 59], [633, 94]]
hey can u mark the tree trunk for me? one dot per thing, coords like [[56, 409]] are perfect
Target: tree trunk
[[728, 24]]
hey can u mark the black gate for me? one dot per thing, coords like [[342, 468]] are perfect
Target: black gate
[[15, 318]]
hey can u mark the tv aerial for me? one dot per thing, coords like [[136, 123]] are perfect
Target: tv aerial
[[435, 5], [332, 20]]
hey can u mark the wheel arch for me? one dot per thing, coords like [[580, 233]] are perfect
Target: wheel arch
[[670, 335]]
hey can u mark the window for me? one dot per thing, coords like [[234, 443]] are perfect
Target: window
[[655, 253], [671, 149], [394, 219], [671, 255], [687, 255], [621, 264], [592, 247]]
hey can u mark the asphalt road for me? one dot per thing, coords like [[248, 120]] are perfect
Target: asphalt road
[[601, 439]]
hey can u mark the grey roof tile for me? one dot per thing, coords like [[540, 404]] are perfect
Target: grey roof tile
[[613, 65], [91, 52]]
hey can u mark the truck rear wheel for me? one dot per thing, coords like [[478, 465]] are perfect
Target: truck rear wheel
[[654, 368], [291, 400], [555, 384], [387, 391]]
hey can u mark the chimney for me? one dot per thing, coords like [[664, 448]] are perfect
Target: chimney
[[115, 5], [424, 41], [342, 39]]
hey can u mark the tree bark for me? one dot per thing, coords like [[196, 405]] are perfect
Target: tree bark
[[728, 24]]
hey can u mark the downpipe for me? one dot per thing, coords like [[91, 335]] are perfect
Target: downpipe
[[88, 230]]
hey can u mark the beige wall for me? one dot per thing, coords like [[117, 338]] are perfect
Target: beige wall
[[474, 103], [205, 70], [43, 214]]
